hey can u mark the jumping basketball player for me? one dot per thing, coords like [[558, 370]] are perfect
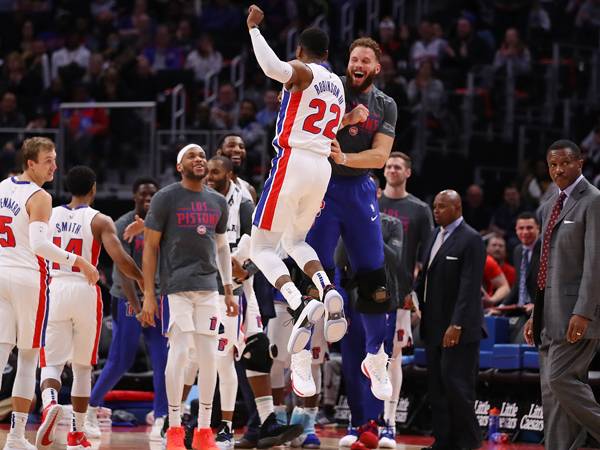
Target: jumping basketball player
[[75, 316], [25, 210], [187, 221], [311, 111]]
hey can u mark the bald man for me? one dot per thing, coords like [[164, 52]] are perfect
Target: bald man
[[451, 325]]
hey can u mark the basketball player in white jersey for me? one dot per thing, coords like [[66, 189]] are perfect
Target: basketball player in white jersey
[[311, 111], [25, 246], [75, 315]]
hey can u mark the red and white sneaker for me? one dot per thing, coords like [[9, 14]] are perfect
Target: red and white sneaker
[[76, 440], [51, 415], [175, 439], [204, 440]]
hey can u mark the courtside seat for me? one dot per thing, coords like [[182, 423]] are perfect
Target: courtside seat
[[507, 356], [485, 359], [498, 332], [420, 357], [531, 360]]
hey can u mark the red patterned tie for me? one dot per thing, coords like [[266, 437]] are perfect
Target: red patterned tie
[[543, 272]]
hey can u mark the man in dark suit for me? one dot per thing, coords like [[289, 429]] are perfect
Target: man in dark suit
[[526, 257], [566, 318], [451, 326]]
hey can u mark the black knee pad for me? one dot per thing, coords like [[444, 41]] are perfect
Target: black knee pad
[[373, 296], [258, 354]]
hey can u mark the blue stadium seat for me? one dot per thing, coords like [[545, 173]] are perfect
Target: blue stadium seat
[[485, 359], [508, 356], [531, 360], [408, 359], [420, 358], [498, 332]]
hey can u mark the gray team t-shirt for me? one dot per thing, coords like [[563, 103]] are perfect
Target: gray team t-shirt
[[188, 221], [357, 138], [135, 249], [418, 224]]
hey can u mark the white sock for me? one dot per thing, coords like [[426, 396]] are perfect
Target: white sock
[[320, 280], [265, 407], [92, 412], [311, 418], [49, 396], [291, 293], [174, 416], [281, 414], [204, 413], [297, 416], [77, 421], [17, 424], [389, 412]]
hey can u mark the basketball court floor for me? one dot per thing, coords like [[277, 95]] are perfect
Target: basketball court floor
[[137, 439]]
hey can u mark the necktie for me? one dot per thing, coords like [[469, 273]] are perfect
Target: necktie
[[543, 272], [523, 294], [439, 240]]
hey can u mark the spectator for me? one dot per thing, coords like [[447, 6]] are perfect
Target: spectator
[[38, 62], [475, 212], [268, 115], [250, 129], [10, 117], [72, 57], [527, 261], [27, 38], [588, 16], [224, 114], [223, 17], [184, 36], [204, 58], [388, 42], [162, 55], [494, 285], [536, 185], [591, 149], [539, 19], [27, 85], [93, 76], [466, 51], [142, 84], [496, 248], [514, 52], [390, 83], [405, 39], [504, 219], [426, 93], [428, 47]]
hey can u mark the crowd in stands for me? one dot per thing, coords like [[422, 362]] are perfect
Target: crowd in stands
[[136, 50]]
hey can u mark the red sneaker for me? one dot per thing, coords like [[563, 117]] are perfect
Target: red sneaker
[[51, 415], [204, 439], [175, 438], [76, 440]]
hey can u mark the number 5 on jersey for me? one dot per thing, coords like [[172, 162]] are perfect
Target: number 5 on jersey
[[7, 238]]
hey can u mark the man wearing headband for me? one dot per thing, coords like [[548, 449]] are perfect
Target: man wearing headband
[[187, 222]]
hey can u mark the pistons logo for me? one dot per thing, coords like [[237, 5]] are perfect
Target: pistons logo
[[353, 131], [201, 230]]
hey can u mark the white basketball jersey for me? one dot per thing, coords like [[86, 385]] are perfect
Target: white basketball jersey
[[309, 119], [15, 251], [71, 230]]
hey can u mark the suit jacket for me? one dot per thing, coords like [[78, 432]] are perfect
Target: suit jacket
[[453, 286], [572, 283], [531, 276]]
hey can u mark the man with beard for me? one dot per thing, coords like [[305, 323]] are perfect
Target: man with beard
[[417, 222], [232, 146], [350, 209], [187, 222], [126, 328]]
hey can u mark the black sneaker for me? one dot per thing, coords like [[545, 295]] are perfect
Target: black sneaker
[[272, 434], [246, 442], [304, 317], [224, 437]]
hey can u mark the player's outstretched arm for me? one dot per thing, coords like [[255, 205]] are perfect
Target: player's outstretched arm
[[149, 262], [104, 229], [293, 73], [39, 208]]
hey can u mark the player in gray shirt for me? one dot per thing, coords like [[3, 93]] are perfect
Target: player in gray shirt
[[187, 222]]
